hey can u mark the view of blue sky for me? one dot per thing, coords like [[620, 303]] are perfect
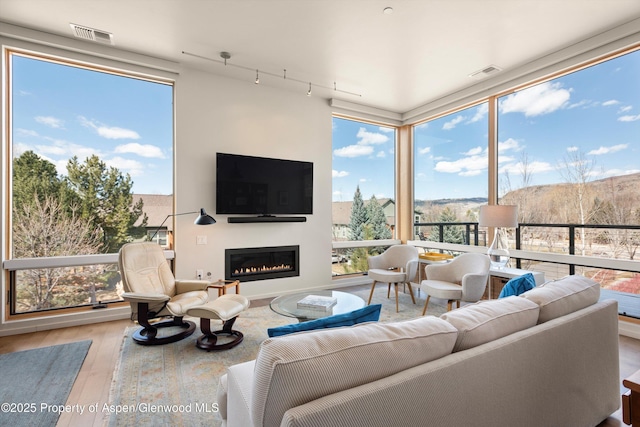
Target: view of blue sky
[[594, 112], [61, 111]]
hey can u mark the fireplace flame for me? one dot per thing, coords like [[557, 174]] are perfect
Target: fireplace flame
[[262, 269]]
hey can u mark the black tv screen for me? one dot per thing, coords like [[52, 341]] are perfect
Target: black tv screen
[[263, 186]]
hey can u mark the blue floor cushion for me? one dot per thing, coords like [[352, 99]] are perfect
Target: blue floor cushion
[[370, 313], [518, 285]]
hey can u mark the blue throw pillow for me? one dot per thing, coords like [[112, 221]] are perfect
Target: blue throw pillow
[[518, 285], [370, 313]]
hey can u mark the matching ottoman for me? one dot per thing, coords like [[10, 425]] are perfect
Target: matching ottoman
[[226, 308]]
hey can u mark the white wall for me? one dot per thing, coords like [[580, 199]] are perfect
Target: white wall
[[213, 114], [216, 114]]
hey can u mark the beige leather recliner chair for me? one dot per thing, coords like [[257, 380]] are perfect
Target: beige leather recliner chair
[[152, 291]]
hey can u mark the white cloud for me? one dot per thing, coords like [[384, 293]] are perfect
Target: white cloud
[[25, 132], [386, 130], [473, 151], [109, 132], [133, 167], [452, 123], [607, 150], [50, 121], [610, 102], [629, 118], [371, 138], [353, 151], [584, 103], [572, 149], [143, 150], [424, 150], [338, 174], [364, 145], [482, 111], [625, 109], [423, 125], [541, 99], [509, 144], [618, 172], [60, 147], [517, 168], [19, 148], [465, 166], [381, 154]]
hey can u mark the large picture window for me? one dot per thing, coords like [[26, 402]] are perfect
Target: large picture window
[[85, 145], [363, 205], [451, 173]]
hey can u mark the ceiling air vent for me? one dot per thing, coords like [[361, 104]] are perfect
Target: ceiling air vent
[[92, 34], [487, 71]]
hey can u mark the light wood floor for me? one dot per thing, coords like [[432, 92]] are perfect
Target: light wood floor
[[94, 380]]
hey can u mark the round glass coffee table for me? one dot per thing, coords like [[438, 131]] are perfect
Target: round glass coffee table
[[287, 305]]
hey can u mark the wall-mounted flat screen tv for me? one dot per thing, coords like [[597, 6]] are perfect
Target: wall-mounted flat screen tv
[[263, 186]]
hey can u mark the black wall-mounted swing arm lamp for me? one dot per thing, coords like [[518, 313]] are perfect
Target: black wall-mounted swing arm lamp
[[202, 219]]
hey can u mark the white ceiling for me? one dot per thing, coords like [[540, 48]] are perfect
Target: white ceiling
[[397, 62]]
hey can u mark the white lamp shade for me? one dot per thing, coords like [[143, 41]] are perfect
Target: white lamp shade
[[498, 216]]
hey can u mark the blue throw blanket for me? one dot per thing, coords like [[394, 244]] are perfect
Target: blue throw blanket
[[518, 285]]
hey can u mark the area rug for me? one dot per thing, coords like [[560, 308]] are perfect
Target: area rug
[[175, 384], [36, 383]]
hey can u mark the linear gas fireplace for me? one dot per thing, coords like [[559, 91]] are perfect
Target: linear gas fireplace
[[248, 264]]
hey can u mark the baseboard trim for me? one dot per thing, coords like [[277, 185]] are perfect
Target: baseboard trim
[[629, 329], [16, 327]]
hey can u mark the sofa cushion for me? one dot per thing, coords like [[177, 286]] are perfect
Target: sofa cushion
[[295, 369], [564, 296], [370, 313], [489, 320]]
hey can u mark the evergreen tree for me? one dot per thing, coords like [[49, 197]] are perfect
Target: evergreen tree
[[106, 200], [377, 220], [358, 216], [451, 233], [36, 179]]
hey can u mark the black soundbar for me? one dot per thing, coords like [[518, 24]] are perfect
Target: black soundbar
[[248, 219]]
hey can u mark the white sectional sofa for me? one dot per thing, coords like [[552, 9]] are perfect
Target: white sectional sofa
[[546, 358]]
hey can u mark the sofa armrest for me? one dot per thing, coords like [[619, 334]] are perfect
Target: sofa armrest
[[183, 286], [239, 391]]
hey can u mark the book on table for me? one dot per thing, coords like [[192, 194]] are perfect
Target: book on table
[[317, 302]]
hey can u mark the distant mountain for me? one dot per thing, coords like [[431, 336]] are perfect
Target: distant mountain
[[622, 186], [463, 201], [545, 202]]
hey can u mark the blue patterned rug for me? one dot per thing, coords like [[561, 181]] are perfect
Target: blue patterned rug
[[175, 384], [36, 383]]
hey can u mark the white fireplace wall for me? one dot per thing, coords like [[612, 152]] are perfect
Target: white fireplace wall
[[218, 114]]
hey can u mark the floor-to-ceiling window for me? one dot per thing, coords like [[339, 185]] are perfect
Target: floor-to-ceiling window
[[574, 162], [566, 151], [363, 205], [450, 172], [84, 143]]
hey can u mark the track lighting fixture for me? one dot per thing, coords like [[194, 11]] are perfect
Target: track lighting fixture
[[226, 55]]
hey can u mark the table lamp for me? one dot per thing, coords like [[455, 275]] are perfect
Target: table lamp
[[498, 216]]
